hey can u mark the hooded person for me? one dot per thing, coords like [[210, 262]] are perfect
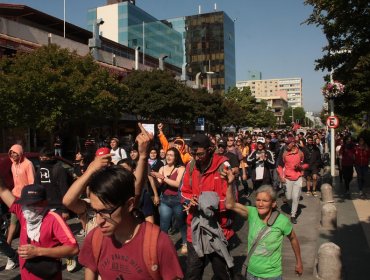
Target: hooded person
[[23, 174], [22, 169], [178, 143]]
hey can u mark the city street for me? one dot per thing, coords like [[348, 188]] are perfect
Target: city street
[[352, 235]]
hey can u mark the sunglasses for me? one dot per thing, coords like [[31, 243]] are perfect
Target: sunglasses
[[199, 155]]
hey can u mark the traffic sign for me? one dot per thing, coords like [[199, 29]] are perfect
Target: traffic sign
[[199, 126], [332, 122]]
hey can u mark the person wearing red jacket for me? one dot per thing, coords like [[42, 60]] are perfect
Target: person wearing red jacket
[[203, 174], [362, 156], [290, 170]]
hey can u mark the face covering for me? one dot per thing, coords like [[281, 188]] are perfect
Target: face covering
[[33, 216]]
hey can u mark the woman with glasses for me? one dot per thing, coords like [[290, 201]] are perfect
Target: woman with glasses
[[169, 177]]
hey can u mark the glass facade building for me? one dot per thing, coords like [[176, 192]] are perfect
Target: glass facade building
[[130, 26], [199, 43], [209, 41]]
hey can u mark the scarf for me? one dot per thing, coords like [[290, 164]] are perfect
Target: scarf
[[34, 216]]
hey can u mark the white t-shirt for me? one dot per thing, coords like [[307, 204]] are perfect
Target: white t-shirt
[[118, 155]]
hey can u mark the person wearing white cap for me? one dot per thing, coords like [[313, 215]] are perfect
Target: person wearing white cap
[[261, 160]]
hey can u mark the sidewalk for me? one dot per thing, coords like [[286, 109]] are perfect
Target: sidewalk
[[353, 231]]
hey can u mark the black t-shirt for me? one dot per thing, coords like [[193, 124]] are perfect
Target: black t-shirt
[[233, 159]]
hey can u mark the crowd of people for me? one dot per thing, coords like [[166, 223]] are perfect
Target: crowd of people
[[128, 201]]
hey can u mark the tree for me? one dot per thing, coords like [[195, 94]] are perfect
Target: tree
[[346, 25], [157, 95], [51, 87], [298, 115], [251, 112], [209, 106]]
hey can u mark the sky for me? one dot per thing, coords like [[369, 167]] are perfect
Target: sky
[[270, 36]]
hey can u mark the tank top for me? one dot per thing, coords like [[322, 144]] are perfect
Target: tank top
[[167, 189]]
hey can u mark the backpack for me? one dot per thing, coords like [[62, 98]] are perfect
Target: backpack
[[149, 249]]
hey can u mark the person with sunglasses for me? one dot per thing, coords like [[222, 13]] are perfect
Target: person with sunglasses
[[203, 185]]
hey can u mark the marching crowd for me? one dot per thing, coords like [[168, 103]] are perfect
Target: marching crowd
[[129, 201]]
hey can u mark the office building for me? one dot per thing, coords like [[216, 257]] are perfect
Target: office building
[[209, 41], [202, 44], [129, 25], [290, 88]]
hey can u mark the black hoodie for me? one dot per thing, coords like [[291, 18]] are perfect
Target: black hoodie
[[54, 178]]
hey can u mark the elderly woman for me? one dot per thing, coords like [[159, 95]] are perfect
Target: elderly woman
[[265, 261]]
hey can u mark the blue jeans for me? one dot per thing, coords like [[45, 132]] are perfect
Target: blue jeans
[[361, 175], [171, 206], [252, 277]]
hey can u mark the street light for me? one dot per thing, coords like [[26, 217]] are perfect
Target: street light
[[209, 75], [162, 57], [95, 42]]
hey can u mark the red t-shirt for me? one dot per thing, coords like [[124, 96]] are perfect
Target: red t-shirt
[[126, 261], [54, 232]]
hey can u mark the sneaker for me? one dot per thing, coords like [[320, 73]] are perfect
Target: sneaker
[[314, 194], [81, 233], [184, 249], [71, 264], [308, 193], [293, 220], [362, 195], [11, 264]]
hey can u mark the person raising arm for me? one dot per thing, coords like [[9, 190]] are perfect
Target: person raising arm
[[270, 250]]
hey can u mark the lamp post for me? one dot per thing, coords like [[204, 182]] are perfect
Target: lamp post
[[162, 57], [332, 133], [95, 42]]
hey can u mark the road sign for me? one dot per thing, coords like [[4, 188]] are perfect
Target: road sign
[[200, 124], [332, 122]]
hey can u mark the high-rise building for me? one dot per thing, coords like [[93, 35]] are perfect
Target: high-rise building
[[254, 75], [202, 44], [209, 41], [289, 88], [129, 25]]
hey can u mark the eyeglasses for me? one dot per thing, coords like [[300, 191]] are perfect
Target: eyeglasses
[[199, 155], [106, 213]]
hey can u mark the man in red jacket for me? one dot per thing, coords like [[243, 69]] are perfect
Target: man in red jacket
[[290, 170], [203, 174]]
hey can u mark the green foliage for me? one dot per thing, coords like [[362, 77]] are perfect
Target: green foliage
[[244, 110], [156, 95], [366, 135], [52, 86], [346, 25], [208, 105], [298, 115]]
